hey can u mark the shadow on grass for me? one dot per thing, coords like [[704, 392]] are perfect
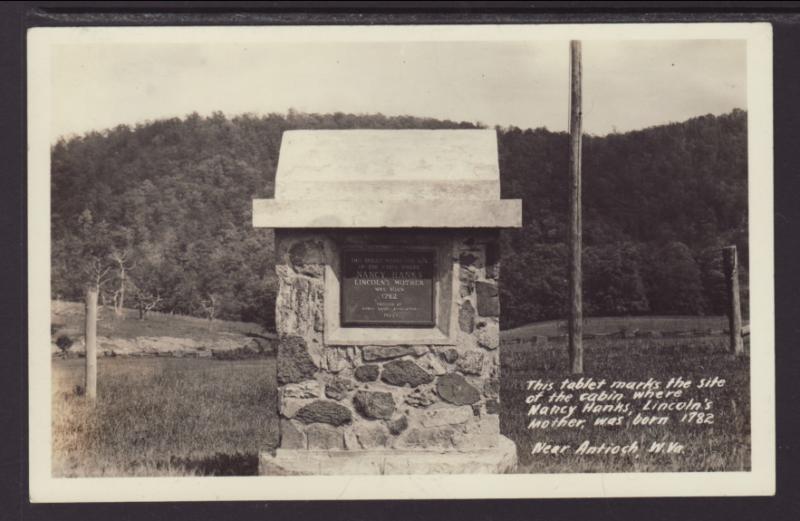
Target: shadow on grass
[[220, 464]]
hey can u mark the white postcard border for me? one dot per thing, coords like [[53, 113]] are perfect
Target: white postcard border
[[759, 481]]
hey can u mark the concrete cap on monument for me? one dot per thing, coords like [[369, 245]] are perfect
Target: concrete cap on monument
[[400, 179]]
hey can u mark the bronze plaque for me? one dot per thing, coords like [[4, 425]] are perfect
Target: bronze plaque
[[388, 288]]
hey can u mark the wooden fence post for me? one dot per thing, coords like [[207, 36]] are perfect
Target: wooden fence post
[[91, 343], [731, 266]]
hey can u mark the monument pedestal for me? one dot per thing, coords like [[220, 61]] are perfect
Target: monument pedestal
[[500, 459], [388, 307]]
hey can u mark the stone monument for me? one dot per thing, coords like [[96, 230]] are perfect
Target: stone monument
[[387, 309]]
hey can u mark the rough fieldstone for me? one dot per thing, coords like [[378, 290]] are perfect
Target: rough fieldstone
[[324, 437], [467, 281], [402, 372], [488, 334], [446, 416], [492, 406], [471, 362], [350, 440], [478, 434], [291, 437], [371, 436], [420, 398], [298, 305], [336, 359], [488, 300], [491, 387], [491, 365], [321, 411], [432, 364], [319, 320], [485, 425], [353, 355], [307, 389], [455, 389], [308, 258], [467, 275], [288, 407], [294, 364], [450, 356], [374, 405], [338, 388], [397, 425], [466, 317], [373, 353], [424, 437], [366, 373]]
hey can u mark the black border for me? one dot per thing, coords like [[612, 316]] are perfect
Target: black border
[[16, 16]]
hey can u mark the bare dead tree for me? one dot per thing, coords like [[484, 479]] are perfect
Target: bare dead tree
[[146, 301], [152, 303], [99, 272], [210, 307], [123, 265]]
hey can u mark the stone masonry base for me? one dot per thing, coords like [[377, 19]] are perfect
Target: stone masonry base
[[494, 460]]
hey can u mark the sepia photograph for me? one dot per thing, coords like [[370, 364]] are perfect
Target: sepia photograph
[[400, 262]]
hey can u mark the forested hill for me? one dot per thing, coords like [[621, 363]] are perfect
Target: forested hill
[[170, 201]]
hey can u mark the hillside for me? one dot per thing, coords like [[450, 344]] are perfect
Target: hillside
[[162, 210], [160, 334]]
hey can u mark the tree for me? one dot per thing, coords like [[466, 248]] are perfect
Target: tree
[[713, 280], [98, 272], [673, 281], [122, 260], [146, 284], [613, 284], [146, 301], [93, 252], [177, 194], [533, 286], [210, 306]]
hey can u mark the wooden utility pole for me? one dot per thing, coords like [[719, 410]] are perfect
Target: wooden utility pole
[[575, 323], [731, 265], [91, 343]]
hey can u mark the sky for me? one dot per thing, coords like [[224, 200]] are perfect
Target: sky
[[627, 85]]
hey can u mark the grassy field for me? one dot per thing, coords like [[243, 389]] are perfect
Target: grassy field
[[67, 318], [168, 416], [725, 445], [605, 325], [164, 416]]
